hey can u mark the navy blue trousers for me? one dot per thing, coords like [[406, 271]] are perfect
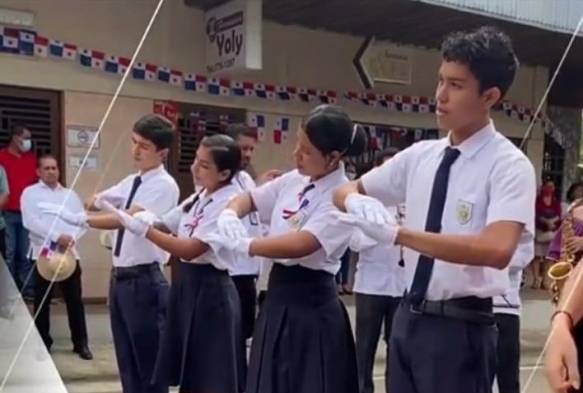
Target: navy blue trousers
[[508, 367], [137, 305], [372, 312], [434, 354]]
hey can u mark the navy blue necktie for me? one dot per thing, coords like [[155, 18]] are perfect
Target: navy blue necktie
[[306, 189], [120, 232], [433, 224]]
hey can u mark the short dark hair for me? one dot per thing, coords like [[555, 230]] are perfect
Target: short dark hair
[[571, 191], [389, 152], [225, 151], [17, 129], [329, 128], [156, 129], [487, 52], [236, 131], [46, 156]]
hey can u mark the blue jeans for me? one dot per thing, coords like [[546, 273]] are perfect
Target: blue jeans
[[16, 253]]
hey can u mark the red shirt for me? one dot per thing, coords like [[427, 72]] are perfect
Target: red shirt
[[21, 173]]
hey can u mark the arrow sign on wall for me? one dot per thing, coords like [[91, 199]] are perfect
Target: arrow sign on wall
[[361, 69]]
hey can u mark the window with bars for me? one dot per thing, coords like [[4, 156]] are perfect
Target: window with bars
[[40, 111], [193, 123]]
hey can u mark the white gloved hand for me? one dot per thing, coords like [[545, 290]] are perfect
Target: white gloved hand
[[385, 233], [114, 200], [368, 209], [230, 226], [220, 244], [139, 224], [243, 246], [77, 219]]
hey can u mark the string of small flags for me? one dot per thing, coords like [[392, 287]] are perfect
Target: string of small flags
[[29, 43]]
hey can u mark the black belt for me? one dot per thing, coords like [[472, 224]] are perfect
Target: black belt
[[127, 272], [470, 309]]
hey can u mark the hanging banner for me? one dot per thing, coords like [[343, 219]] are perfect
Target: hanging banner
[[233, 36]]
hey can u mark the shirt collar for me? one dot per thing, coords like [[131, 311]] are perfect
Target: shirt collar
[[473, 144], [218, 194], [151, 173], [330, 180], [45, 185]]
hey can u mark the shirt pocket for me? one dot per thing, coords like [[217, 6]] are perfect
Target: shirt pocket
[[466, 214]]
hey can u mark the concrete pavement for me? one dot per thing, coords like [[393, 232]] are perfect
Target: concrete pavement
[[100, 375]]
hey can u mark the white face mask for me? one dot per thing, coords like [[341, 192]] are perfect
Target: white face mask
[[26, 145]]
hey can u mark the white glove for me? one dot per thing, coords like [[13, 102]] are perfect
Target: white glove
[[77, 219], [242, 246], [139, 224], [114, 200], [230, 226], [220, 244], [368, 209], [360, 242], [385, 233]]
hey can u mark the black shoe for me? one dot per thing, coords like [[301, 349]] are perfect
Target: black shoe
[[84, 352]]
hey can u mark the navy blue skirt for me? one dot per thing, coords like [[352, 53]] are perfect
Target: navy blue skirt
[[303, 342], [202, 349]]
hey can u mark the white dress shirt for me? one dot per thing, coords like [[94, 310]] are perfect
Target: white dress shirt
[[378, 271], [200, 222], [265, 265], [158, 193], [247, 265], [281, 203], [491, 181], [44, 228], [510, 302]]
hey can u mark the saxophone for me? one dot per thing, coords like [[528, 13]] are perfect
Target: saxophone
[[560, 271]]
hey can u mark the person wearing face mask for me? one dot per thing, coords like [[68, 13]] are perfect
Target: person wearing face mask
[[19, 163], [548, 219]]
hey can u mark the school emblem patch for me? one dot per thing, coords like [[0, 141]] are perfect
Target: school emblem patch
[[464, 212], [295, 221]]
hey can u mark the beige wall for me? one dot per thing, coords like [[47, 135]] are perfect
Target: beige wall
[[113, 165], [292, 55]]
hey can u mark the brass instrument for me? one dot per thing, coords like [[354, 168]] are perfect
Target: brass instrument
[[560, 271]]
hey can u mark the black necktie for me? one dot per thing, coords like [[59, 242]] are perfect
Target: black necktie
[[120, 232], [306, 189], [433, 224]]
